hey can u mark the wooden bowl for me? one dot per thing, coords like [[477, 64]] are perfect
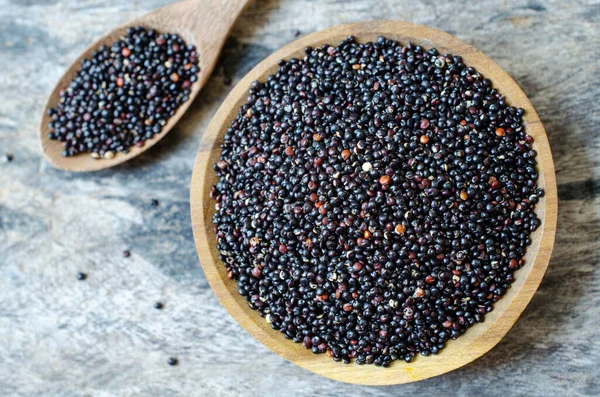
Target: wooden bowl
[[478, 339]]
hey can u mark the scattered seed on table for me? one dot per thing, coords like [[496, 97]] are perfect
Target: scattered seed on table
[[7, 158], [81, 276], [365, 205], [124, 93], [154, 203], [172, 361], [159, 305], [295, 32], [126, 254]]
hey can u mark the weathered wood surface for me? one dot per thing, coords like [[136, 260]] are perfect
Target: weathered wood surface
[[102, 337]]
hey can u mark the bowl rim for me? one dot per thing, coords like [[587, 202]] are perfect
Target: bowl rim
[[480, 338]]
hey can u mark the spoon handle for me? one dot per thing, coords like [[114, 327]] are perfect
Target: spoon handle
[[205, 22], [215, 17]]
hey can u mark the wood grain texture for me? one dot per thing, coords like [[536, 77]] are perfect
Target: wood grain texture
[[481, 337], [202, 23], [60, 337]]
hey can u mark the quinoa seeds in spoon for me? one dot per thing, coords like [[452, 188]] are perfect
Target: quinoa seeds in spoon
[[124, 94]]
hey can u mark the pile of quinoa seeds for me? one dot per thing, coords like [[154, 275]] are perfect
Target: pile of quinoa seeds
[[375, 199], [124, 94]]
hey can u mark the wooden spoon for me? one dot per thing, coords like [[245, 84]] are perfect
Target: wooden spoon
[[478, 339], [203, 23]]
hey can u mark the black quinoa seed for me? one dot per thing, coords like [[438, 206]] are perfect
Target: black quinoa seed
[[154, 203], [368, 204], [7, 158], [81, 276], [172, 361], [159, 305], [126, 254], [124, 94]]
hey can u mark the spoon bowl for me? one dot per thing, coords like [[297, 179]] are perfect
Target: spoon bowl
[[478, 339], [202, 23]]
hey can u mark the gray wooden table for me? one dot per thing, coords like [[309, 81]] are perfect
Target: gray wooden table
[[102, 337]]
